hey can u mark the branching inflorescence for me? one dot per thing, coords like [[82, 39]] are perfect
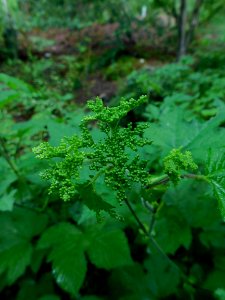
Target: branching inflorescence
[[113, 156]]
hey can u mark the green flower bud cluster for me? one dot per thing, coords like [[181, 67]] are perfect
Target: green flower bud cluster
[[114, 156], [177, 161], [112, 115], [68, 158]]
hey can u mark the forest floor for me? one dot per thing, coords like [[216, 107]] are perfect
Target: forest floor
[[96, 60], [98, 57]]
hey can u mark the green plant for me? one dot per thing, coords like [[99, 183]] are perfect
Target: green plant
[[114, 160], [186, 84]]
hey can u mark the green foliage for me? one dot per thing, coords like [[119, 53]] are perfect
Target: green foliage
[[120, 68], [159, 233], [13, 89], [69, 268], [16, 241], [199, 89], [8, 9], [103, 247], [158, 267], [216, 175], [175, 129]]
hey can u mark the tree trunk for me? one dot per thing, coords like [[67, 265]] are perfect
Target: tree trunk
[[10, 40], [182, 19], [9, 33], [194, 21]]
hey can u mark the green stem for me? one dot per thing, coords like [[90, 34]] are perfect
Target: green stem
[[99, 174], [6, 156], [195, 176], [166, 179], [152, 211], [151, 239]]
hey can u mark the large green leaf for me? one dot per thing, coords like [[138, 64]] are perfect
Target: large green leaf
[[216, 176], [163, 276], [109, 249], [66, 255], [174, 131], [197, 208], [130, 282], [20, 225], [14, 260], [18, 229], [172, 230]]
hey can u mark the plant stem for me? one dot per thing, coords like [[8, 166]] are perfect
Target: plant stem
[[195, 176], [153, 212], [6, 156], [152, 223], [151, 239], [136, 217], [166, 179]]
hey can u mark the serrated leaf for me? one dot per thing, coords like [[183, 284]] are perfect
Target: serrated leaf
[[216, 176], [197, 207], [14, 260], [20, 224], [163, 277], [26, 222], [171, 230], [18, 229], [67, 256], [109, 249], [173, 131]]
